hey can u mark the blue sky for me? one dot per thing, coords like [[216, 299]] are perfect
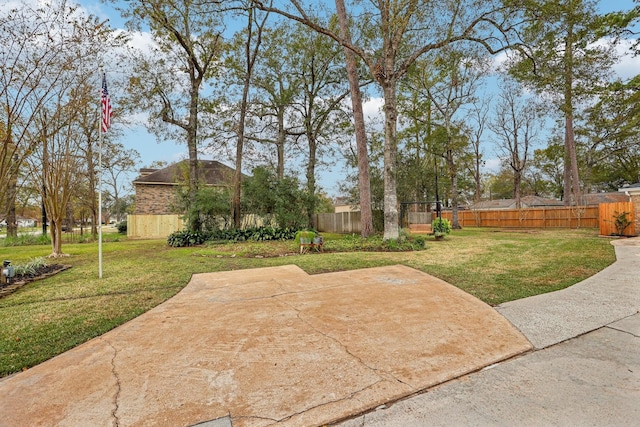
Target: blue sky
[[170, 151]]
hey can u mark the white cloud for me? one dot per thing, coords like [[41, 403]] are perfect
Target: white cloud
[[141, 41], [628, 66], [372, 108], [492, 165]]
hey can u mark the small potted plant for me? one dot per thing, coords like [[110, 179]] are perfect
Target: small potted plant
[[440, 227], [305, 237]]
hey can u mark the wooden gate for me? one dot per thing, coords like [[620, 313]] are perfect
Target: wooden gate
[[613, 216]]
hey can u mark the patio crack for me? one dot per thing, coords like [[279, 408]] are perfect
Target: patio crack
[[379, 372], [114, 372], [351, 396]]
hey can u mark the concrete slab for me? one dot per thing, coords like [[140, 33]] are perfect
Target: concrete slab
[[587, 371], [267, 346], [592, 380]]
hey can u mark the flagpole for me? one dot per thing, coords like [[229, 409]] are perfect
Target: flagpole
[[100, 183]]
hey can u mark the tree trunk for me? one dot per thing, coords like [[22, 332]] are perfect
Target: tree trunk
[[364, 184], [56, 238], [192, 144], [311, 180], [12, 223], [391, 229], [282, 138], [571, 178], [453, 177], [517, 180]]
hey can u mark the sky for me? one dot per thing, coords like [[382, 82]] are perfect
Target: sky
[[152, 150]]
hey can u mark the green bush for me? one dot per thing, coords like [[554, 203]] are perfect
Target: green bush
[[122, 227], [440, 226], [259, 234], [184, 238]]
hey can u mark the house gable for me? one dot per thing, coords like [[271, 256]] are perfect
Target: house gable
[[155, 189]]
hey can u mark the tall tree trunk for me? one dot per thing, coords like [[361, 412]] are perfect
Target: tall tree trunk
[[311, 180], [453, 177], [571, 178], [364, 184], [250, 58], [192, 145], [391, 229], [282, 138], [517, 180], [10, 194], [477, 177]]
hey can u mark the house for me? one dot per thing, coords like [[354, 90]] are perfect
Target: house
[[343, 204], [592, 199], [155, 189], [155, 192], [633, 192]]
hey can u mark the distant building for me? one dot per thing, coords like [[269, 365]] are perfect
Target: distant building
[[342, 204], [526, 202]]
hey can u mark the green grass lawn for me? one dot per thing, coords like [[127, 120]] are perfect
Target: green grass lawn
[[48, 317]]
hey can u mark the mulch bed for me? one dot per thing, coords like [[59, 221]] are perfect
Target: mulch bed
[[43, 272]]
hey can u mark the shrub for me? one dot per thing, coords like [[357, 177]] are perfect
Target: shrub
[[255, 233], [184, 238], [440, 226], [122, 227], [621, 222]]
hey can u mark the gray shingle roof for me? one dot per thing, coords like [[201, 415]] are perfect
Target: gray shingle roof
[[211, 171]]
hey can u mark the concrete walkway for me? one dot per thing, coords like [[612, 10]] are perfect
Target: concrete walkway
[[585, 372], [267, 346]]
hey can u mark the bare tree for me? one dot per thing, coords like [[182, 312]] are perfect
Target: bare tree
[[29, 70], [515, 126], [478, 113], [255, 26]]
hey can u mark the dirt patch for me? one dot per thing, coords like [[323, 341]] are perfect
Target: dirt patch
[[43, 272]]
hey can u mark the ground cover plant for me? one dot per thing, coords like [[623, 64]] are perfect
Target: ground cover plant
[[50, 316]]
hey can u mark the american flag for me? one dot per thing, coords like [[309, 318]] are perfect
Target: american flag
[[106, 105]]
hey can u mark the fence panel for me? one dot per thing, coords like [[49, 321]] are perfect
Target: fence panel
[[608, 214], [570, 217], [153, 226], [342, 222]]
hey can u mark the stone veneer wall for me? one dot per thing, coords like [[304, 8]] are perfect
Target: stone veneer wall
[[154, 199]]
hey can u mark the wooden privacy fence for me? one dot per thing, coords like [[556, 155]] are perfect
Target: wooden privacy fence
[[153, 226], [342, 222], [608, 214], [562, 217]]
